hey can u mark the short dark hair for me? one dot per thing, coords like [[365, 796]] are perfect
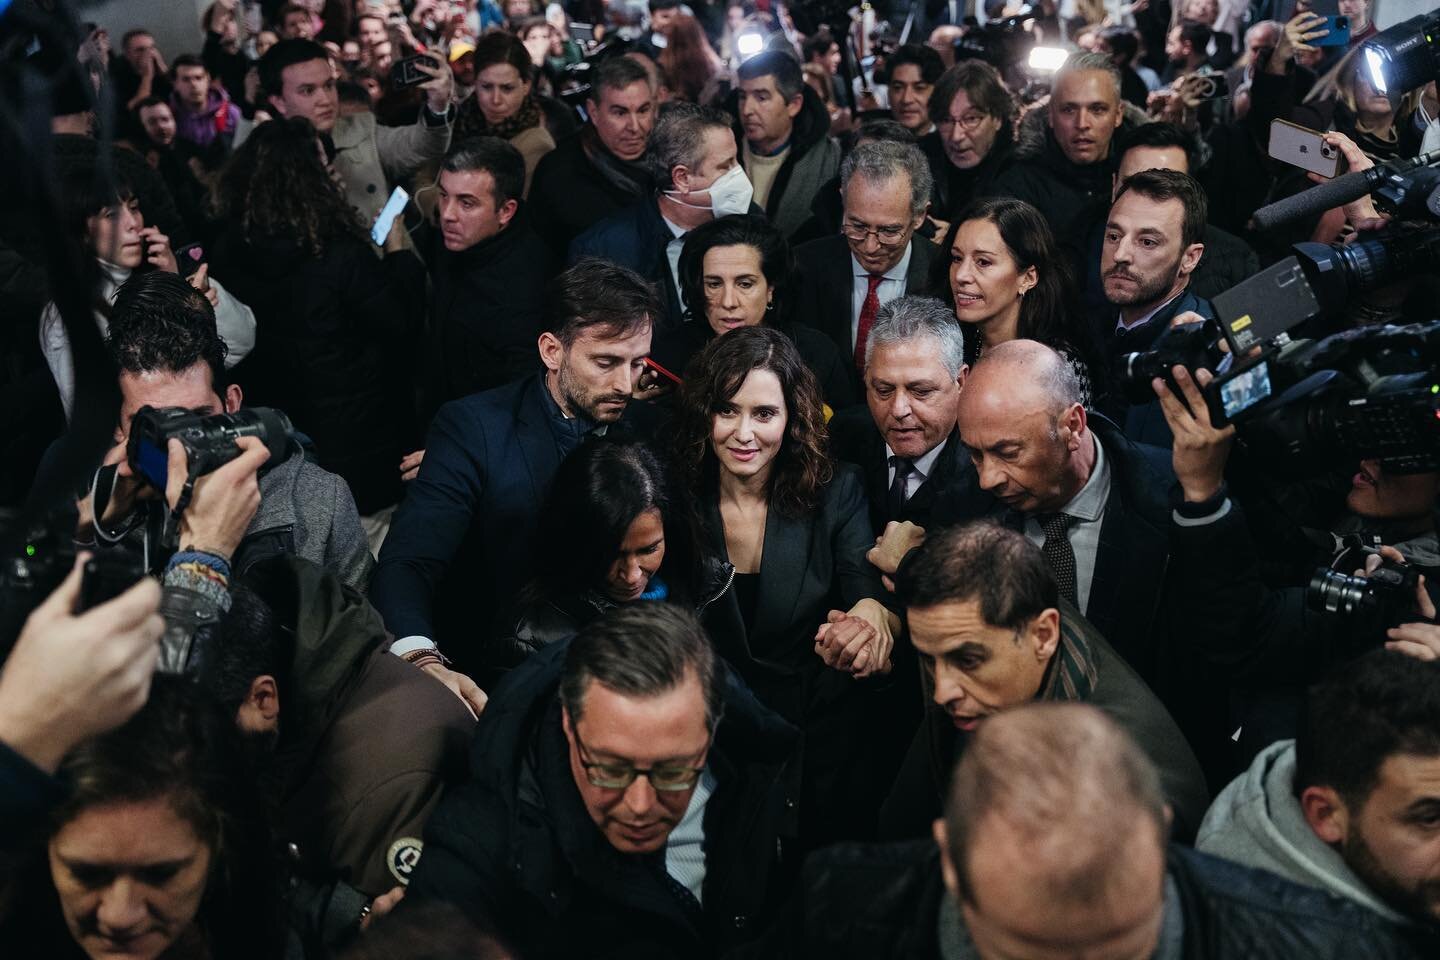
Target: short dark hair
[[980, 561], [736, 230], [288, 9], [1162, 185], [1122, 42], [679, 138], [186, 60], [1382, 704], [159, 323], [884, 128], [600, 293], [789, 80], [642, 650], [286, 53], [129, 35], [817, 44], [494, 156], [984, 86], [919, 55], [663, 5], [1158, 136], [1196, 34], [498, 47], [353, 92], [251, 643], [802, 466], [151, 102], [617, 73]]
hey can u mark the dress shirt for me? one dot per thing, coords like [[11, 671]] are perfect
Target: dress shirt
[[672, 252], [919, 468], [685, 849], [891, 287], [1088, 509], [1122, 327]]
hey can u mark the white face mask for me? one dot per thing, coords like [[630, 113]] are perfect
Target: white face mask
[[730, 193]]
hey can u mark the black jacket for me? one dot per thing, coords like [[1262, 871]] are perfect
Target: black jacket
[[854, 438], [636, 237], [569, 192], [461, 543], [515, 848], [955, 188], [882, 902], [488, 309], [335, 338], [824, 284]]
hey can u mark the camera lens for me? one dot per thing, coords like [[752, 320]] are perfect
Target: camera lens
[[1333, 592]]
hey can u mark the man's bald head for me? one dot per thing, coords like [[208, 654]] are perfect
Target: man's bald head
[[1027, 370], [1055, 829]]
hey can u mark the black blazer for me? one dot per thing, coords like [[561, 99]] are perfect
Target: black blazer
[[825, 281], [461, 544], [854, 438], [636, 237]]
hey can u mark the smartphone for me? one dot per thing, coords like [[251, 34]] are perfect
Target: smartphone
[[405, 73], [582, 33], [190, 257], [651, 364], [1339, 35], [105, 576], [1304, 148], [392, 209]]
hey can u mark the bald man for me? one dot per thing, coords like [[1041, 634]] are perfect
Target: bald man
[[1055, 842]]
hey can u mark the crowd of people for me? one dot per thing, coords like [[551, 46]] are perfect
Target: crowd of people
[[718, 516]]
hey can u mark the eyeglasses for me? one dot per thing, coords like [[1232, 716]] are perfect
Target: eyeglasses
[[665, 778], [887, 236], [969, 123]]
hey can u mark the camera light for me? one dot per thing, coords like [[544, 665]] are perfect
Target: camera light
[[1047, 59], [1406, 56], [1376, 64], [748, 43]]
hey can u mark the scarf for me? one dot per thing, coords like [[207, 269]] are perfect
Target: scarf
[[470, 121], [1072, 672], [630, 177]]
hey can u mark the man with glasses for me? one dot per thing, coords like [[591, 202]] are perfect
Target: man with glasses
[[844, 281], [627, 797]]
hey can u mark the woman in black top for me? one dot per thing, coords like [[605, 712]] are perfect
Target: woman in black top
[[751, 449], [735, 272]]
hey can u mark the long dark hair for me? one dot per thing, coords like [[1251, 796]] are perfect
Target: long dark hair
[[276, 188], [802, 465], [182, 749], [737, 230], [597, 493], [1049, 312]]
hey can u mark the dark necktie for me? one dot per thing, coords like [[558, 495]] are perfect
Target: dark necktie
[[896, 501], [1058, 552], [868, 310]]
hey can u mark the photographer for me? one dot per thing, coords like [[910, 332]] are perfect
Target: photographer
[[162, 336], [1267, 637]]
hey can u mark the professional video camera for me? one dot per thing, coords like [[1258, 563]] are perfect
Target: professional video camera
[[1363, 393], [209, 440]]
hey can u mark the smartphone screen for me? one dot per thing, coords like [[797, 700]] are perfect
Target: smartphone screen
[[392, 209]]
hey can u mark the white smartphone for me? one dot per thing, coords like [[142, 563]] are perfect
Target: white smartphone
[[392, 209], [1304, 148]]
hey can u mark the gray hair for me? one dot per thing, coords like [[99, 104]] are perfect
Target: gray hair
[[642, 650], [679, 138], [1081, 61], [1041, 365], [909, 318], [880, 160]]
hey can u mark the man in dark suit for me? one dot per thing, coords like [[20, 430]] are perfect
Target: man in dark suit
[[842, 282], [905, 440], [460, 545], [692, 150]]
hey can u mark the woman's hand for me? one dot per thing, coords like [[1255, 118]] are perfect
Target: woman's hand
[[157, 250], [1296, 36]]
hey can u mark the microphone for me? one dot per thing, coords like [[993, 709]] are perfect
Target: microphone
[[1337, 192]]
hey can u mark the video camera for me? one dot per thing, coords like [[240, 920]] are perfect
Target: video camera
[[209, 440], [1386, 596], [1363, 393]]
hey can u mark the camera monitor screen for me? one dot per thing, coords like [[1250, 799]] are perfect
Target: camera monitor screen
[[1245, 389]]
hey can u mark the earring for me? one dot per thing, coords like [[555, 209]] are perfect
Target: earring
[[770, 305]]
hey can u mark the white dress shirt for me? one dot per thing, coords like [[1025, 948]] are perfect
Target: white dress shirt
[[1088, 509], [672, 252], [891, 287], [919, 468], [685, 848]]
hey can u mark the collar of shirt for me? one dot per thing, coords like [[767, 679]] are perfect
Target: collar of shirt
[[1121, 326], [676, 231], [1089, 503], [920, 467], [578, 425], [895, 273]]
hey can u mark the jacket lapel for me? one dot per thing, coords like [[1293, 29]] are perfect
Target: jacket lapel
[[535, 438], [782, 570]]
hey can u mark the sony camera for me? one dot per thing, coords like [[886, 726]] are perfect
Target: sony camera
[[209, 440], [1386, 597]]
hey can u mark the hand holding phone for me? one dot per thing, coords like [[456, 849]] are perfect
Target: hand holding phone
[[392, 209], [1303, 148]]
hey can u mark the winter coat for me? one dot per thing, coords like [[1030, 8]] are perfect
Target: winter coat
[[813, 160]]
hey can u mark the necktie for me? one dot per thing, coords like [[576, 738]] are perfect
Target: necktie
[[896, 502], [1058, 552], [868, 309]]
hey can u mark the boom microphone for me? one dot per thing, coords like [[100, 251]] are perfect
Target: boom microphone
[[1336, 193]]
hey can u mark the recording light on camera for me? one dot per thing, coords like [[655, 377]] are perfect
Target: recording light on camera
[[748, 43], [1404, 57], [1046, 59]]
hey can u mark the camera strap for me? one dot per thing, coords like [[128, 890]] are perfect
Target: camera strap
[[171, 535]]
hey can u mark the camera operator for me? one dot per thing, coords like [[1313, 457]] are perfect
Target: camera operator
[[1267, 637], [162, 337]]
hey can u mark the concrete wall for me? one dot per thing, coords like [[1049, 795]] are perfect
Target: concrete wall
[[175, 23]]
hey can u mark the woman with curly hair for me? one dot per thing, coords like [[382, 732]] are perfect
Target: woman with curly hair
[[335, 324], [751, 445], [502, 105]]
